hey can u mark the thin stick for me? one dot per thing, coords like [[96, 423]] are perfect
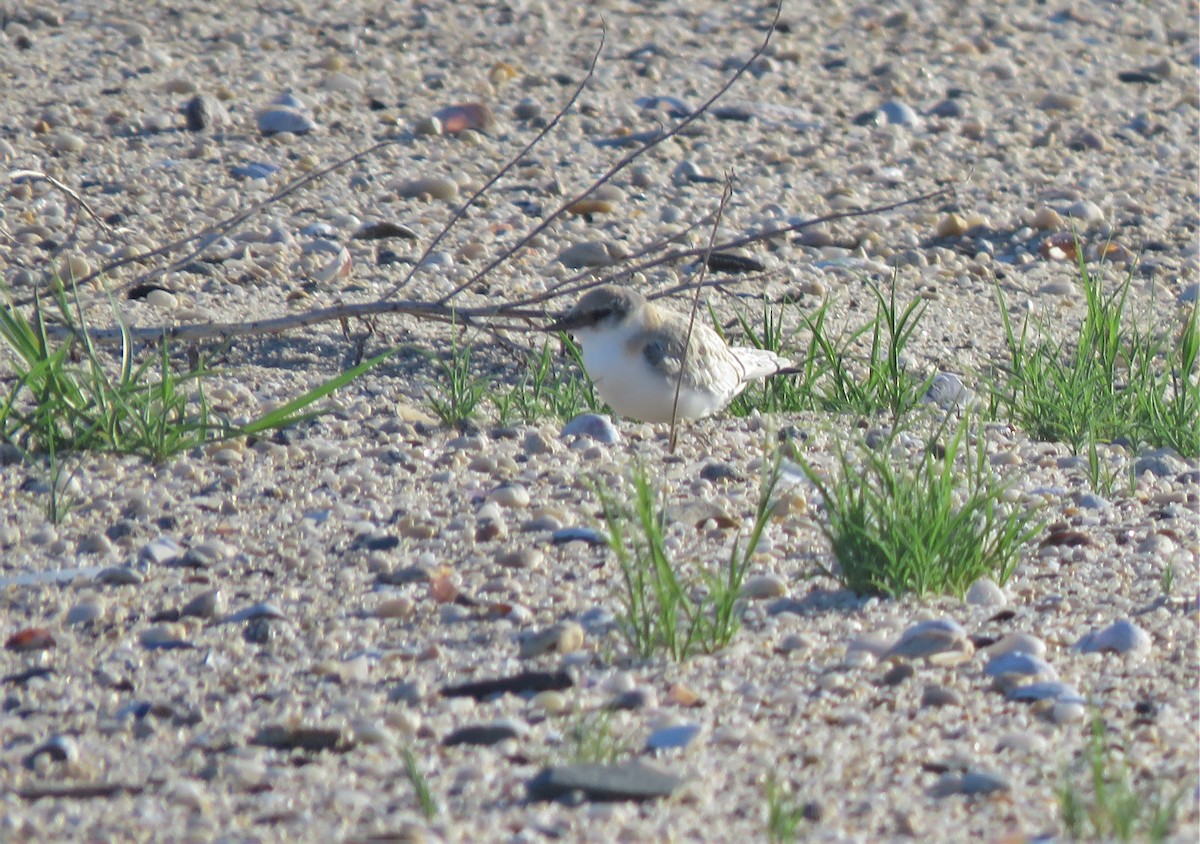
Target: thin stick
[[726, 193], [79, 200]]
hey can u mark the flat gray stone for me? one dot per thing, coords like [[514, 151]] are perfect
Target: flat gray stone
[[596, 782]]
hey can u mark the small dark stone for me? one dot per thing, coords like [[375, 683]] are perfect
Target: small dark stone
[[404, 576], [632, 699], [381, 543], [1063, 535], [577, 534], [720, 472], [897, 674], [27, 675], [1138, 77], [480, 734], [120, 530], [526, 681], [280, 737], [384, 230], [625, 781], [730, 262], [261, 630], [141, 291], [197, 113]]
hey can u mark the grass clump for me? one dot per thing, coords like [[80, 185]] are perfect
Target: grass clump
[[424, 794], [546, 389], [1113, 381], [69, 396], [664, 607], [590, 739], [837, 374], [785, 815], [1106, 806], [933, 524], [457, 398]]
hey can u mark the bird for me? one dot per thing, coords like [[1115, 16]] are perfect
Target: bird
[[633, 350]]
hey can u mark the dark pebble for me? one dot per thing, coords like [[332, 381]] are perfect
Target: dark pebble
[[480, 734], [516, 684]]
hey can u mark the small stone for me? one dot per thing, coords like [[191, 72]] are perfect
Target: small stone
[[428, 187], [1057, 101], [631, 700], [208, 604], [897, 674], [927, 639], [384, 231], [524, 682], [985, 593], [760, 586], [202, 112], [1023, 664], [282, 737], [164, 637], [588, 253], [161, 551], [551, 702], [459, 118], [510, 495], [60, 749], [564, 637], [30, 639], [118, 576], [67, 142], [935, 695], [527, 109], [483, 735], [624, 781], [1086, 212], [1122, 637], [952, 225], [264, 609], [1042, 690], [595, 426], [398, 607], [85, 612], [279, 118], [1047, 219], [74, 267], [562, 536], [520, 558], [970, 783], [947, 391], [674, 737], [897, 114], [688, 172], [1021, 742]]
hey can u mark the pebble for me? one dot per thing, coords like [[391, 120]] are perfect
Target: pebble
[[208, 604], [68, 142], [564, 638], [1058, 101], [85, 612], [688, 172], [118, 576], [203, 112], [928, 639], [1023, 664], [760, 586], [895, 113], [30, 639], [510, 495], [161, 551], [520, 558], [277, 119], [1047, 219], [947, 391], [459, 118], [935, 696], [483, 735], [1086, 212], [588, 253], [60, 749], [972, 783], [1121, 637], [1042, 690], [527, 109], [619, 781], [428, 187], [985, 593], [674, 737], [594, 426], [264, 609]]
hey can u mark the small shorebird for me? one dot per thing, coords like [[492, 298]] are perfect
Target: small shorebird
[[633, 349]]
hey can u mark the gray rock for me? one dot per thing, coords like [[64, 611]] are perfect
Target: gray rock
[[1121, 637], [947, 391], [674, 737], [597, 782], [118, 576], [484, 735], [595, 426], [589, 253], [276, 119], [1018, 662], [897, 114], [1045, 690], [971, 783]]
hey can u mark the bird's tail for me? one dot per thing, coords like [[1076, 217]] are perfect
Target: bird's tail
[[760, 363]]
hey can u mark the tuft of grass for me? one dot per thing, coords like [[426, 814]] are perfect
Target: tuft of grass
[[836, 373], [1107, 806], [457, 398], [591, 739], [784, 814], [429, 806], [1167, 579], [1112, 381], [546, 389], [663, 606], [69, 396], [930, 525]]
